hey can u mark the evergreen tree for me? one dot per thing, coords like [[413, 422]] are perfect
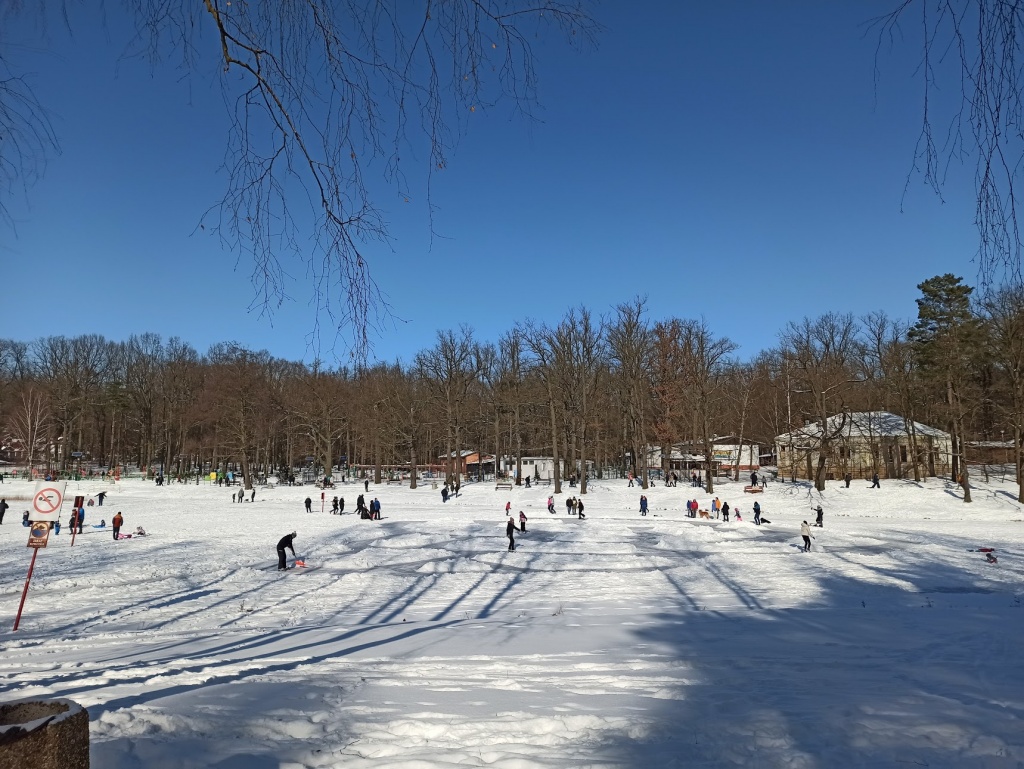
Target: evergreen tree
[[945, 339]]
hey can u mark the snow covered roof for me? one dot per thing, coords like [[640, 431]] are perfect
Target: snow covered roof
[[862, 424]]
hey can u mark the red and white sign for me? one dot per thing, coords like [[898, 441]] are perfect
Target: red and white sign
[[46, 501]]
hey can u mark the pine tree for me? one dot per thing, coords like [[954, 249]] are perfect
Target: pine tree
[[945, 339]]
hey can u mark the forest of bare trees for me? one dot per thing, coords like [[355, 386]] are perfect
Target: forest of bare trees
[[592, 390]]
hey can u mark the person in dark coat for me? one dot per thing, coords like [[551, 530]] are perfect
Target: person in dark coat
[[753, 478], [757, 514], [725, 512], [366, 485], [309, 505], [99, 498], [341, 505], [510, 528], [334, 506], [81, 518], [847, 478], [285, 542], [3, 509], [643, 504], [821, 514], [579, 509], [444, 493], [874, 482]]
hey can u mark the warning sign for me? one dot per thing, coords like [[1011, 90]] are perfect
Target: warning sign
[[46, 502], [38, 533]]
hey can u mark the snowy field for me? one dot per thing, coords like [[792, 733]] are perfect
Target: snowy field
[[618, 641]]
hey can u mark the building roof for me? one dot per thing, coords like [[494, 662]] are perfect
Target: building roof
[[861, 424]]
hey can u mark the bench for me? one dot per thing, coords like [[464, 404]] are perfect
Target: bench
[[501, 485], [752, 489], [393, 482]]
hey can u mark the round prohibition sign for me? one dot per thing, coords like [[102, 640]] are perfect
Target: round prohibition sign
[[47, 501]]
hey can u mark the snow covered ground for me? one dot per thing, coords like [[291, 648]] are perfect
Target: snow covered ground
[[618, 641]]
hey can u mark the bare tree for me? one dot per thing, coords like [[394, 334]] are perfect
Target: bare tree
[[450, 368], [29, 422], [630, 342], [1004, 321], [705, 372], [972, 107], [324, 98], [27, 137], [820, 352]]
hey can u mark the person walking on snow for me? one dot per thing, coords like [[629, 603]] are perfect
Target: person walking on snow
[[568, 505], [846, 479], [309, 505], [99, 498], [821, 514], [508, 508], [366, 486], [341, 505], [285, 542], [643, 504], [334, 506], [3, 509], [757, 514], [116, 523], [874, 482], [522, 520], [805, 532], [551, 504], [579, 509], [510, 528], [725, 512]]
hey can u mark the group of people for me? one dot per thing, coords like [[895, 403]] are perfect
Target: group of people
[[574, 506], [451, 489], [371, 513], [510, 530], [241, 496]]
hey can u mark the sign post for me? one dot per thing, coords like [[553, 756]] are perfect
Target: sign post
[[37, 536], [322, 503]]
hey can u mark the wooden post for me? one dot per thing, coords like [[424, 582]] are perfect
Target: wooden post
[[24, 593]]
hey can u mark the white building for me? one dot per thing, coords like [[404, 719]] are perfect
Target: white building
[[864, 443]]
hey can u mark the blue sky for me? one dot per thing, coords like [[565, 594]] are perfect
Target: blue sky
[[728, 160]]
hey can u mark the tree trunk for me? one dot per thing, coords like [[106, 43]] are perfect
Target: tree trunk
[[554, 443]]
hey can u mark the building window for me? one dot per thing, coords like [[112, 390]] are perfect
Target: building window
[[903, 453]]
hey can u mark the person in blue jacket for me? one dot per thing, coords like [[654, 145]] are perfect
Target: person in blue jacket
[[643, 504]]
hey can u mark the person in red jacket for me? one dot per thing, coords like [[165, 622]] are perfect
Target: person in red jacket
[[116, 523]]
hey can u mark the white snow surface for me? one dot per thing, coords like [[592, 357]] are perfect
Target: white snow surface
[[617, 641]]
